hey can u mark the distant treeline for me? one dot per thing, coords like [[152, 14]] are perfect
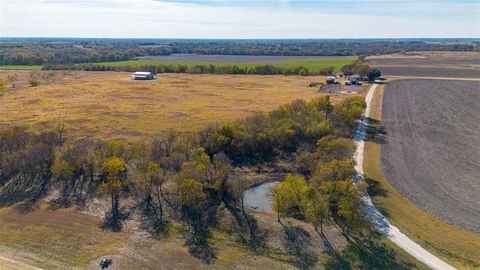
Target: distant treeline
[[198, 69], [314, 48], [47, 53], [38, 53]]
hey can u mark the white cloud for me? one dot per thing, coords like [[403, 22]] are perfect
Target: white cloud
[[280, 19]]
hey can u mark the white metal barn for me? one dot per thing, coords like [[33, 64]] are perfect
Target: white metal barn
[[143, 75]]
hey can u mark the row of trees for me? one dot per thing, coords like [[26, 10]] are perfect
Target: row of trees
[[356, 67], [194, 177], [198, 69]]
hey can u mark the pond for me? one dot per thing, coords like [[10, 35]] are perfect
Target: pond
[[260, 197]]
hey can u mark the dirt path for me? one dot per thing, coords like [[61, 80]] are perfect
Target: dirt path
[[381, 223]]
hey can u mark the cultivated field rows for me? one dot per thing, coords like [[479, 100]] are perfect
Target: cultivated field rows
[[432, 154]]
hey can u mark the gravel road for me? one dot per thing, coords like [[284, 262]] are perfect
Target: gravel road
[[432, 150]]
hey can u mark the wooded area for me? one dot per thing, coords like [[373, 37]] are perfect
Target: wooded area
[[195, 177], [71, 51]]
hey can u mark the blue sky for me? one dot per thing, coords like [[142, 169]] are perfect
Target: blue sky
[[240, 19]]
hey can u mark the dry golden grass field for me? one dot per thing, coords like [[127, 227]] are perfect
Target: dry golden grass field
[[111, 105], [68, 239]]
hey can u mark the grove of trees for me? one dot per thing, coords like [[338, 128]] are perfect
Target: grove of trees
[[363, 70], [195, 178]]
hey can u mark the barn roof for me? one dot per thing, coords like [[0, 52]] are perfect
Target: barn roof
[[144, 73]]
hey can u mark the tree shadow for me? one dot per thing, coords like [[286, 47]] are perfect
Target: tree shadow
[[61, 202], [25, 198], [248, 231], [376, 255], [199, 233], [114, 219], [297, 242], [375, 188], [336, 263], [375, 131], [199, 246]]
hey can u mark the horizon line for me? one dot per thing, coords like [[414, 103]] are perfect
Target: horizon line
[[241, 38]]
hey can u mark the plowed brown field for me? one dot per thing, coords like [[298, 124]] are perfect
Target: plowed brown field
[[432, 149]]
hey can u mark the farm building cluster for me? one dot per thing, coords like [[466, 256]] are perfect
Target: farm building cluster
[[351, 80]]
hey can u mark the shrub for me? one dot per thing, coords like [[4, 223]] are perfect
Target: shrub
[[34, 82], [3, 87]]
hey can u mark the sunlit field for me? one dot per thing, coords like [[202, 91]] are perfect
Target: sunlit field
[[111, 105]]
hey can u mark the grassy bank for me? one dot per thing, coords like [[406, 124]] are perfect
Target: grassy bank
[[456, 246]]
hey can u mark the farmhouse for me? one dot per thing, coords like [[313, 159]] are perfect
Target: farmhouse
[[143, 75], [331, 80], [353, 80]]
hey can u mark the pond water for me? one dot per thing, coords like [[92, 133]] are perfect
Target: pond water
[[260, 197]]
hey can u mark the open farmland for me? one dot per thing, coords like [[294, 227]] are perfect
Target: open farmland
[[110, 105], [429, 64], [420, 71], [428, 59], [431, 154]]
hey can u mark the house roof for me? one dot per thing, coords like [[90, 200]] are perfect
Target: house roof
[[144, 73]]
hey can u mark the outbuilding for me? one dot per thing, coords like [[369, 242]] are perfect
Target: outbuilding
[[353, 80], [143, 75], [331, 80]]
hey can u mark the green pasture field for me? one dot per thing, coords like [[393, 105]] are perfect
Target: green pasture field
[[35, 67], [313, 64]]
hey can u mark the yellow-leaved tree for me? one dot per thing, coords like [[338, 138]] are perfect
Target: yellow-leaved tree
[[115, 169]]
